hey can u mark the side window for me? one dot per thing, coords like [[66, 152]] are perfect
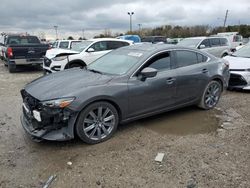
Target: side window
[[116, 44], [206, 43], [224, 42], [64, 44], [201, 58], [54, 45], [185, 58], [215, 42], [100, 46], [74, 43], [160, 62]]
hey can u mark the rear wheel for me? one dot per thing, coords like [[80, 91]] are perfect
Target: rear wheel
[[11, 67], [211, 95], [97, 122]]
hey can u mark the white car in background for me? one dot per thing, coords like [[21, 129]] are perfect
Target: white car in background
[[239, 65], [65, 44], [234, 37], [217, 46], [81, 54]]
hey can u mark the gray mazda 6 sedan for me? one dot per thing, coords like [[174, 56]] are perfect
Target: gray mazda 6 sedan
[[126, 84]]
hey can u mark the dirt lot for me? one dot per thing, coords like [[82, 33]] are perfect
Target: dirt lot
[[202, 148]]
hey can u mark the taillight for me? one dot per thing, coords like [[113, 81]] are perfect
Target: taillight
[[226, 63], [9, 52]]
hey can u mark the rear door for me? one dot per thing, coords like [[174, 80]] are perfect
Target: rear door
[[216, 48], [155, 93], [192, 75]]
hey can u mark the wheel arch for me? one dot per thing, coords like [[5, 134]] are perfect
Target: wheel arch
[[76, 61], [220, 80], [103, 99], [119, 111]]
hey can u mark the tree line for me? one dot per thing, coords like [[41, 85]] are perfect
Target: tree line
[[180, 31]]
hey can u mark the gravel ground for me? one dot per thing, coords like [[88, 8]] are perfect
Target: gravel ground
[[202, 148]]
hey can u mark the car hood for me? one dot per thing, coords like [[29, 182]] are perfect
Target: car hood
[[238, 62], [58, 51], [64, 83]]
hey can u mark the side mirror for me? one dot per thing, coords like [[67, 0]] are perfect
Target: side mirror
[[147, 73], [202, 46], [91, 50]]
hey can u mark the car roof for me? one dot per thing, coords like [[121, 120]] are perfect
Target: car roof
[[152, 48], [203, 37], [106, 39], [68, 40]]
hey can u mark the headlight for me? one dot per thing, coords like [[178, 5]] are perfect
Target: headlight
[[58, 103], [60, 58]]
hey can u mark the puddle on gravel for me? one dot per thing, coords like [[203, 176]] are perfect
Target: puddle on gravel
[[185, 121]]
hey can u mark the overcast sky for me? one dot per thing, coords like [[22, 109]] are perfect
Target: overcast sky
[[72, 16]]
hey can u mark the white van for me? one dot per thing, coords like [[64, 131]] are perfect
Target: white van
[[234, 37]]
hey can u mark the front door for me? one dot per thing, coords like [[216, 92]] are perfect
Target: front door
[[153, 94]]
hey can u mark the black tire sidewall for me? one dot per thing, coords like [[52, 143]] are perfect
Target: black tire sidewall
[[79, 124]]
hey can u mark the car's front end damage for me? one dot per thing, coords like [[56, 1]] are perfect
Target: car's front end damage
[[239, 79], [47, 120]]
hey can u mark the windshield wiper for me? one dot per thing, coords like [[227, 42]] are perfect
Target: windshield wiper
[[95, 71]]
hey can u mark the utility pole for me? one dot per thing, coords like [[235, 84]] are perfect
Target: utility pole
[[83, 34], [56, 27], [140, 26], [225, 21], [130, 15]]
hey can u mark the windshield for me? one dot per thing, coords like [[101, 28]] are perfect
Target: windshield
[[117, 62], [80, 46], [243, 52], [189, 42], [23, 40]]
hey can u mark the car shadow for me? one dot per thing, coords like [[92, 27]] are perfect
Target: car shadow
[[26, 69], [177, 122]]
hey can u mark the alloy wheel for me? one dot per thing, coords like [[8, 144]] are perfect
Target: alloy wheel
[[212, 94], [99, 123]]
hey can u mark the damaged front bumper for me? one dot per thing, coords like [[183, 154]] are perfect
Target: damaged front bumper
[[43, 123], [51, 132]]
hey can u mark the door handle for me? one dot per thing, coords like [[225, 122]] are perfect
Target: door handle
[[170, 81], [204, 71]]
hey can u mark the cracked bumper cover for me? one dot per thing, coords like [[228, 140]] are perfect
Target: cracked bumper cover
[[50, 132]]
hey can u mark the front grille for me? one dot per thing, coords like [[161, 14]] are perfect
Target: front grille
[[47, 61], [31, 102], [238, 70], [237, 80]]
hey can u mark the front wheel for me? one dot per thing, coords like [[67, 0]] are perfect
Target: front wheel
[[97, 122], [74, 65], [211, 95]]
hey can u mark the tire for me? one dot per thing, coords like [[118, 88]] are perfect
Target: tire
[[224, 55], [11, 67], [211, 95], [91, 126], [73, 65]]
